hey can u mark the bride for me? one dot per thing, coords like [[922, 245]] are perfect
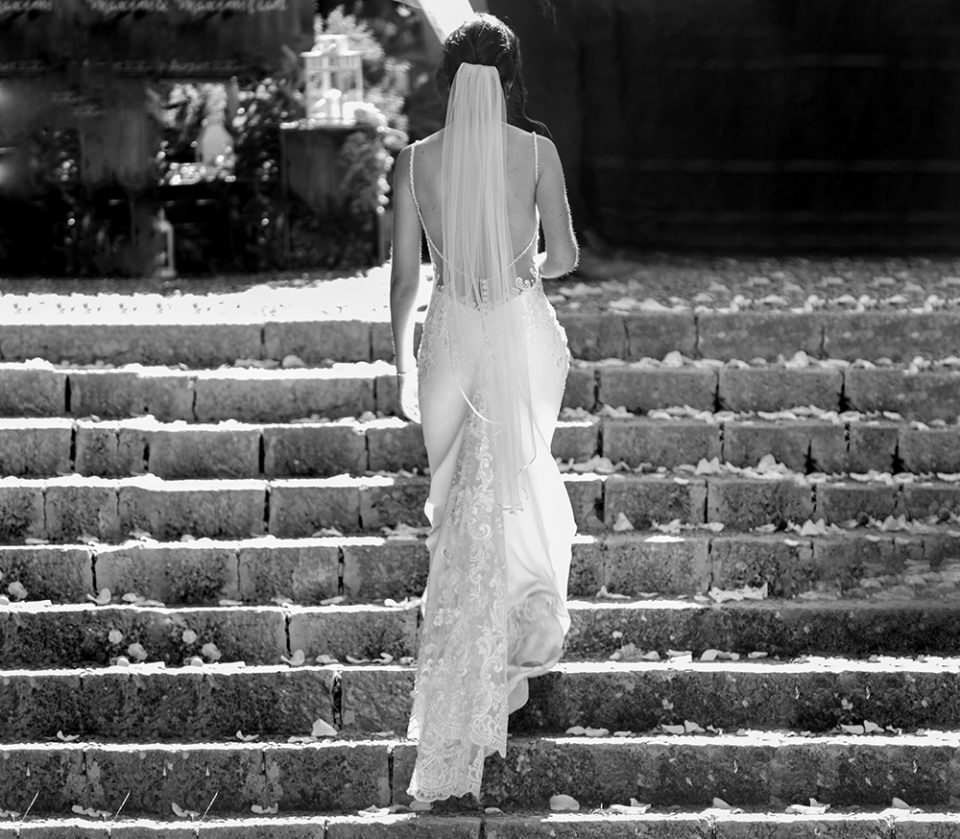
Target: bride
[[492, 366]]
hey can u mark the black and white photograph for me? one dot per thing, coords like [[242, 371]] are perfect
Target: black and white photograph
[[479, 419]]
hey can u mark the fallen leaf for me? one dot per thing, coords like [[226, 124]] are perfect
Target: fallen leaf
[[260, 810], [321, 728], [17, 590], [102, 599], [298, 658], [137, 652], [181, 813], [622, 524], [563, 803], [210, 651], [67, 738], [246, 738], [114, 636], [188, 636]]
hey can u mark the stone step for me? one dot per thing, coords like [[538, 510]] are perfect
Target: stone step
[[859, 563], [528, 824], [342, 390], [35, 635], [141, 328], [213, 702], [75, 508], [46, 447], [754, 768]]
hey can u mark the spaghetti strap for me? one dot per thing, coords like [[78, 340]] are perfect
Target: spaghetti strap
[[536, 161], [423, 224], [416, 203]]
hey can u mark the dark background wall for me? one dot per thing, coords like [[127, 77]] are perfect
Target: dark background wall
[[757, 124]]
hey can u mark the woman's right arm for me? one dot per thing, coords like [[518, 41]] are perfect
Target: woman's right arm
[[562, 252], [404, 283]]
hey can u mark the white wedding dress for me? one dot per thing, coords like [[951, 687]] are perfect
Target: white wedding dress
[[494, 613]]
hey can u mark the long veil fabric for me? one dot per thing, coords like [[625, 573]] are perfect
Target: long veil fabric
[[463, 682]]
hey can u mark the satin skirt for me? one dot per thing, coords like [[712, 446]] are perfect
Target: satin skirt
[[494, 611]]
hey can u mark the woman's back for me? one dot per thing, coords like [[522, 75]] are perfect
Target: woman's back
[[522, 165]]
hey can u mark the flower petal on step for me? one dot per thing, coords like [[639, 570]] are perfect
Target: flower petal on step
[[563, 803], [260, 810]]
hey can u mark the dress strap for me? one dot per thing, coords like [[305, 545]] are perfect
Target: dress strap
[[536, 160], [416, 203]]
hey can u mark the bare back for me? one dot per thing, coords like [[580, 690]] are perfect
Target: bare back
[[522, 174]]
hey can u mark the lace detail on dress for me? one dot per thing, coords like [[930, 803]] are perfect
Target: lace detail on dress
[[530, 617], [460, 697]]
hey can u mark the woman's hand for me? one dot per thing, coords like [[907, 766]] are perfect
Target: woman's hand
[[407, 395]]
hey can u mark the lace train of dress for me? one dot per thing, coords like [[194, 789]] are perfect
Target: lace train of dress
[[495, 607]]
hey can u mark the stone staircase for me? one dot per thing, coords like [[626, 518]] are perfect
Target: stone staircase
[[199, 541]]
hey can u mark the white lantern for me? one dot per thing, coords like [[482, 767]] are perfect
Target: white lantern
[[334, 74]]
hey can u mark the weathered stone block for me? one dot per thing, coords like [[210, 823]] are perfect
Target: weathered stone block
[[34, 706], [651, 498], [923, 396], [254, 395], [190, 774], [873, 445], [169, 509], [745, 503], [314, 449], [840, 502], [315, 341], [595, 335], [301, 508], [108, 394], [586, 498], [919, 500], [783, 826], [576, 440], [182, 574], [35, 389], [204, 451], [802, 446], [76, 507], [376, 699], [586, 566], [387, 501], [584, 826], [55, 774], [111, 449], [327, 776], [48, 572], [644, 388], [668, 443], [930, 449], [21, 509], [927, 826], [375, 569], [785, 564], [661, 564], [400, 827], [305, 570], [358, 631], [758, 334], [36, 448], [654, 334], [168, 395], [864, 564], [393, 444], [580, 390], [774, 388], [896, 334]]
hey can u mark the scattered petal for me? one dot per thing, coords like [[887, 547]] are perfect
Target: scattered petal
[[321, 728], [188, 636], [102, 599], [260, 810], [67, 738], [210, 651], [298, 658], [246, 738], [622, 524], [181, 813], [114, 636], [563, 803]]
